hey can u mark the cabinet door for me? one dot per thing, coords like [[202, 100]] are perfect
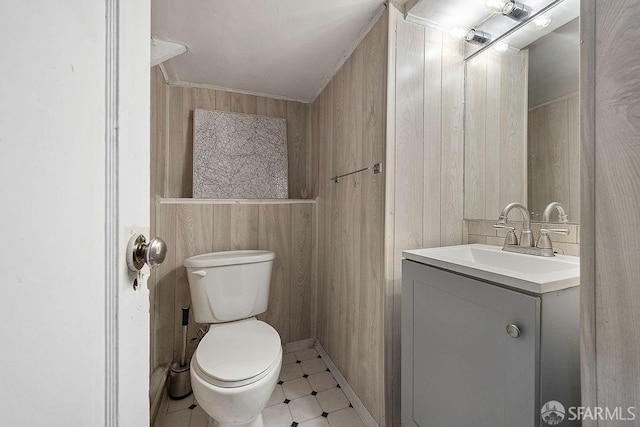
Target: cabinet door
[[460, 367]]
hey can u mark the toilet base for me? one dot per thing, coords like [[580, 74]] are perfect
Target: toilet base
[[257, 422]]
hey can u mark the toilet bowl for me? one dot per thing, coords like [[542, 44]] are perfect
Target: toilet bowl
[[235, 367]]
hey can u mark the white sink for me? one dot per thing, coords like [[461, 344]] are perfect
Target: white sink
[[529, 273]]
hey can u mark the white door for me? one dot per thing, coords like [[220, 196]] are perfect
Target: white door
[[74, 183]]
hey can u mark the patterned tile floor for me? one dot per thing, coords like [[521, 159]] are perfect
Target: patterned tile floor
[[307, 395]]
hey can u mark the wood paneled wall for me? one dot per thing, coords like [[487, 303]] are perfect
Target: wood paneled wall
[[172, 142], [495, 133], [425, 208], [191, 227], [610, 136], [348, 124], [553, 156]]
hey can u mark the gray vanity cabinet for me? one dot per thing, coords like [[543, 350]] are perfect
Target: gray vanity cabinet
[[460, 365]]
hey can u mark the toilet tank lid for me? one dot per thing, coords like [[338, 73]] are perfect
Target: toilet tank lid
[[218, 259]]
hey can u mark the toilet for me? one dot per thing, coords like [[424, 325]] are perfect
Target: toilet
[[236, 366]]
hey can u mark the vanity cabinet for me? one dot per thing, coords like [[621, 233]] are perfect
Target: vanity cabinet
[[476, 353]]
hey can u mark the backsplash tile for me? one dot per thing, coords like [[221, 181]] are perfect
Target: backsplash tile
[[482, 231]]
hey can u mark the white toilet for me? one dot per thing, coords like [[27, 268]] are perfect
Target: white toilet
[[236, 366]]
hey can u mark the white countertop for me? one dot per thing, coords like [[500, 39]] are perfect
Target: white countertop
[[530, 273]]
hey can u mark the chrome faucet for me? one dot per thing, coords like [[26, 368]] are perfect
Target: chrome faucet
[[562, 215], [526, 237], [526, 243]]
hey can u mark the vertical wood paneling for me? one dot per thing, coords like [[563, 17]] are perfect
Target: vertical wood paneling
[[409, 169], [272, 107], [223, 100], [324, 105], [159, 352], [617, 198], [297, 148], [164, 287], [554, 157], [573, 135], [475, 124], [158, 134], [338, 200], [433, 129], [513, 134], [301, 273], [203, 98], [172, 133], [348, 128], [588, 365], [496, 122], [390, 400], [451, 188], [241, 103], [244, 226], [410, 136], [350, 304], [493, 128], [175, 185], [371, 298], [274, 233], [194, 235], [221, 221], [194, 228]]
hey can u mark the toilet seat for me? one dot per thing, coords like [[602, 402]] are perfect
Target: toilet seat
[[237, 354]]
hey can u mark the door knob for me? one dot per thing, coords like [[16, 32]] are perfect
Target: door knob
[[140, 252], [513, 331]]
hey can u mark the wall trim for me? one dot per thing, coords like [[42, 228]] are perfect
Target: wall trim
[[111, 213], [360, 409], [189, 201], [226, 89]]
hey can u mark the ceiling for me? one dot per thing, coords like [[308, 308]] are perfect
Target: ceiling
[[281, 48], [449, 14]]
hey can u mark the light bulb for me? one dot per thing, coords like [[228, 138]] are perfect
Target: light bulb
[[477, 37], [501, 47], [494, 6], [458, 33], [541, 22]]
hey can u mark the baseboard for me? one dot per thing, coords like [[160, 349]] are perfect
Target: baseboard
[[362, 412], [299, 345]]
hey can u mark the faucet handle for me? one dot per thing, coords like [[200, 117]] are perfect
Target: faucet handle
[[544, 242], [511, 238], [546, 231], [503, 226]]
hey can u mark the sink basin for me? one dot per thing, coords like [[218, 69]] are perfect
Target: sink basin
[[519, 271]]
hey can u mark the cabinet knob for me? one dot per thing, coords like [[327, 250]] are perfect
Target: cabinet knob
[[513, 331]]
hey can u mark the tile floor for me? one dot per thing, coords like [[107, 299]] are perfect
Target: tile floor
[[307, 395]]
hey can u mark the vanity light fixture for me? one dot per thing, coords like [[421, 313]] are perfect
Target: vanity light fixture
[[515, 10], [541, 22], [477, 37]]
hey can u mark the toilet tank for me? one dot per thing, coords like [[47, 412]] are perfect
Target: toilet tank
[[228, 286]]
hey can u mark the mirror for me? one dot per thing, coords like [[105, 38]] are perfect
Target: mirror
[[522, 119]]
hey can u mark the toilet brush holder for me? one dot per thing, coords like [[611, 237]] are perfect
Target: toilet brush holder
[[180, 373], [179, 381]]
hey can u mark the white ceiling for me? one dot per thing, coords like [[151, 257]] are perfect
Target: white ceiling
[[449, 14], [281, 48]]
